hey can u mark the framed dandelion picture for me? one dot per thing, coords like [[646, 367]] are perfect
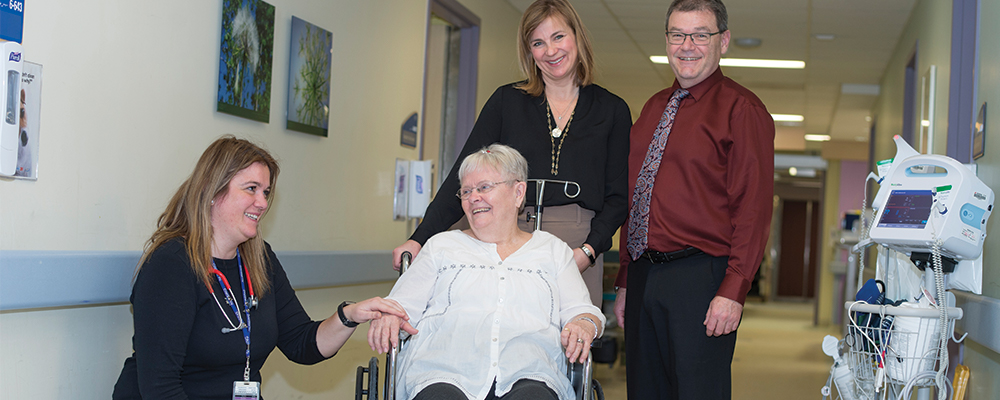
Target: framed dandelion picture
[[309, 78], [245, 59]]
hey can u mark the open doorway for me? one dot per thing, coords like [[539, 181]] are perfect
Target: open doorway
[[450, 75], [797, 233]]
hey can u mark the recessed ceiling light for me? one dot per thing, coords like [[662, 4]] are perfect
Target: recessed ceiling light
[[818, 138], [802, 172], [745, 62], [824, 36], [747, 42], [925, 122], [787, 118]]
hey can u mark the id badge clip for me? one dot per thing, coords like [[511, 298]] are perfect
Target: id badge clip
[[246, 390]]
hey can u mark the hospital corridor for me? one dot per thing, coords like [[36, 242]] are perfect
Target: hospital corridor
[[211, 199], [775, 357]]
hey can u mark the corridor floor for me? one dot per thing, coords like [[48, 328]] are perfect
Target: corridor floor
[[778, 355]]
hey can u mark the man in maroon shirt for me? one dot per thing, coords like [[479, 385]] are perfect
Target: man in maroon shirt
[[699, 221]]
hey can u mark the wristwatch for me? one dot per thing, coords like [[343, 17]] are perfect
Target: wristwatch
[[589, 254], [343, 319]]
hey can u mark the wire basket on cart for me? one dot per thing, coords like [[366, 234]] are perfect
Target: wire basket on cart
[[890, 348]]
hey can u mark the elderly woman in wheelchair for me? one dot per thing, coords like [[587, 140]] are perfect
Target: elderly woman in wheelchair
[[498, 310]]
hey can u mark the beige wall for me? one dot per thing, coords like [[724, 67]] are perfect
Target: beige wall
[[983, 362], [831, 217], [127, 107], [929, 30]]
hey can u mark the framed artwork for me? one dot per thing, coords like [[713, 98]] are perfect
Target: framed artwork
[[309, 78], [245, 58]]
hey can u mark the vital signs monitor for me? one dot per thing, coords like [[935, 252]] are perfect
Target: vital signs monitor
[[929, 197]]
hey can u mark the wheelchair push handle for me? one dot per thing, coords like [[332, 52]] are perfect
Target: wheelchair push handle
[[404, 262], [540, 194]]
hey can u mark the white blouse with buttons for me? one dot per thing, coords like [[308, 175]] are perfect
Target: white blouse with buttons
[[482, 318]]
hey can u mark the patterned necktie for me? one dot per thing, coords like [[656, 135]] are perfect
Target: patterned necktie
[[638, 223]]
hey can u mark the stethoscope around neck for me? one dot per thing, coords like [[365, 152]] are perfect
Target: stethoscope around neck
[[227, 290]]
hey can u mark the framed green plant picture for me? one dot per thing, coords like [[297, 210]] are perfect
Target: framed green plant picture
[[309, 78]]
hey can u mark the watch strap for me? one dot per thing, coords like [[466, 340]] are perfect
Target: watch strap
[[343, 318]]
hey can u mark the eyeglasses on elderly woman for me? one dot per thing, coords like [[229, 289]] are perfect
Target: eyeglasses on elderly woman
[[482, 188]]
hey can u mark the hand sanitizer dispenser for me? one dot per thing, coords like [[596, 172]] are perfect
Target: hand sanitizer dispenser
[[10, 105]]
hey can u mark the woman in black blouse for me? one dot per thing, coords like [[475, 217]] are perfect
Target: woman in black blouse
[[568, 129], [211, 301]]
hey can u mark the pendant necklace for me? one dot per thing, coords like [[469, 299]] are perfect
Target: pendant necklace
[[556, 134]]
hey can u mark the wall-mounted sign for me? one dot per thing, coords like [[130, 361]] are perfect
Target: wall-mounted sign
[[408, 133], [11, 20]]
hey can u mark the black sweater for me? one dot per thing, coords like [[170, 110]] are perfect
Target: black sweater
[[594, 154], [180, 351]]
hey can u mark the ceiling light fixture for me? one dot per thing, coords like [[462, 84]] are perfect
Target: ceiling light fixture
[[748, 42], [824, 36], [745, 62], [817, 138], [787, 118]]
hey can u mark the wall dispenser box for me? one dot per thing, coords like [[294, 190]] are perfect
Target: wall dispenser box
[[10, 106]]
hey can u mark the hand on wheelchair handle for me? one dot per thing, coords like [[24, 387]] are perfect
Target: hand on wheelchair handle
[[576, 337], [397, 254]]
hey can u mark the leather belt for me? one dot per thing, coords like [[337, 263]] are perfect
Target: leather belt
[[659, 258]]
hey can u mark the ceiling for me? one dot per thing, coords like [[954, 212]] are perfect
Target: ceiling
[[834, 92]]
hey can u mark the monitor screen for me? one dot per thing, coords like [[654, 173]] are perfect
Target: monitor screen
[[907, 209]]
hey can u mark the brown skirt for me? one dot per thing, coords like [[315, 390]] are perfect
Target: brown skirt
[[571, 223]]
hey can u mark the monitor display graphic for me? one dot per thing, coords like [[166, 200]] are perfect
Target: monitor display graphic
[[907, 209]]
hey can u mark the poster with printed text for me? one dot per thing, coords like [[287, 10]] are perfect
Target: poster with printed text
[[309, 78], [245, 59], [31, 105]]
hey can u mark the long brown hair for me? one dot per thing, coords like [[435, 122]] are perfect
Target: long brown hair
[[189, 213], [533, 16]]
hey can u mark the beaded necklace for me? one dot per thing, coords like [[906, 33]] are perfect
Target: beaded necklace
[[556, 134]]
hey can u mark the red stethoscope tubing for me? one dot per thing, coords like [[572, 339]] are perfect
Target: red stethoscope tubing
[[226, 281]]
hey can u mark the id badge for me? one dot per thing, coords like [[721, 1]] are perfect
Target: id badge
[[246, 390]]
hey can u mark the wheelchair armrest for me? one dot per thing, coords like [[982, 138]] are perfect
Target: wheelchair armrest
[[580, 376]]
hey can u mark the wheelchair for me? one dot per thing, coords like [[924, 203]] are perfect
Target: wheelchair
[[366, 383]]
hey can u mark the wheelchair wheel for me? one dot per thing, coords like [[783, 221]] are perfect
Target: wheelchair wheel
[[596, 390], [359, 389]]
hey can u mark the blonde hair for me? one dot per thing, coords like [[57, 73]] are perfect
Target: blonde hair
[[533, 16], [189, 212]]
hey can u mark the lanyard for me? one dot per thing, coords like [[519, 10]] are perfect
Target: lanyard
[[230, 299]]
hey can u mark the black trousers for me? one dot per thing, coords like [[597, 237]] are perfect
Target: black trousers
[[669, 356], [524, 389]]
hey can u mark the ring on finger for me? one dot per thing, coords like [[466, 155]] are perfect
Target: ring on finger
[[578, 340]]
